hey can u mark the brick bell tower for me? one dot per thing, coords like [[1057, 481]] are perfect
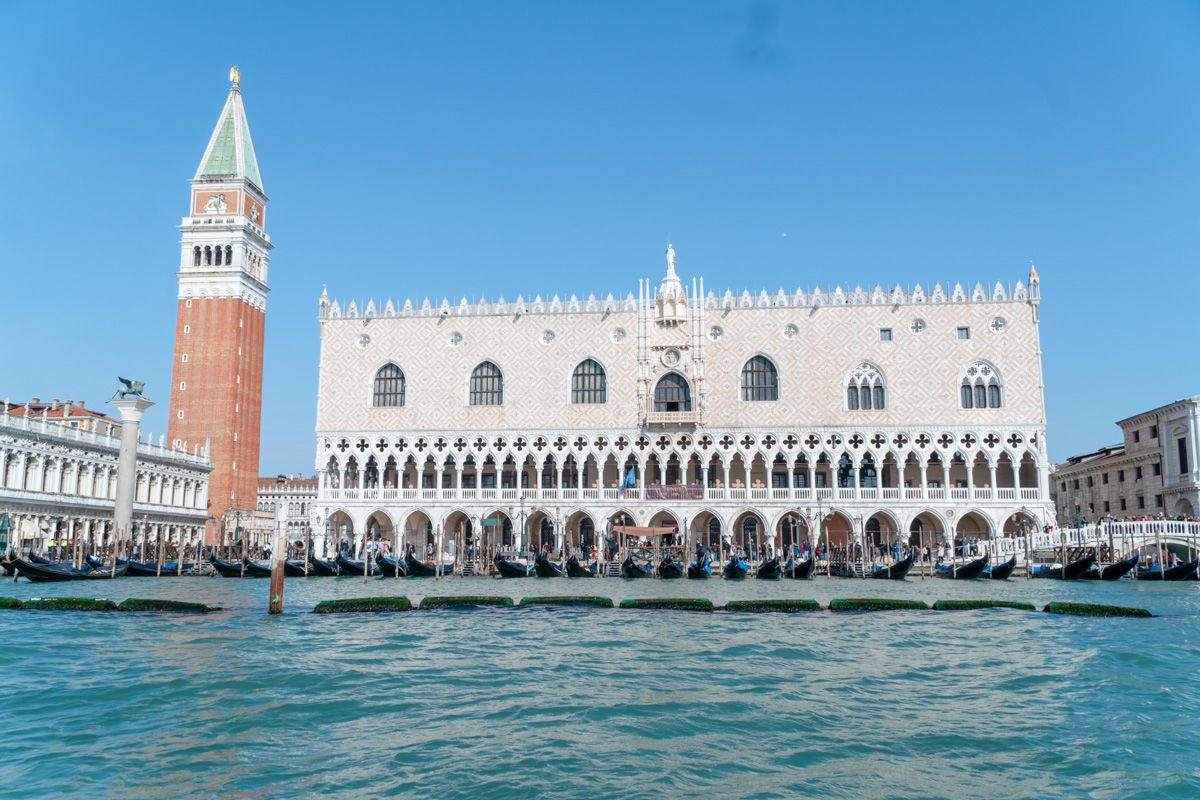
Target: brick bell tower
[[216, 381]]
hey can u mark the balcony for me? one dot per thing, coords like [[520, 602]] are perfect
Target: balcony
[[673, 418]]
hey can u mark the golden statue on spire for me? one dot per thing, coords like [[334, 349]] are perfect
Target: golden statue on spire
[[235, 75]]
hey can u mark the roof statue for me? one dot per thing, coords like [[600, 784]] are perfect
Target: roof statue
[[235, 75], [670, 259], [129, 388]]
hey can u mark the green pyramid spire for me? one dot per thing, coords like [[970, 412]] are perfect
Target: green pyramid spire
[[230, 151]]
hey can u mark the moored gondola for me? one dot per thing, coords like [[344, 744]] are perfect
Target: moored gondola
[[670, 568], [543, 567], [701, 568], [735, 569], [258, 569], [417, 568], [51, 572], [577, 570], [148, 570], [893, 572], [348, 566], [961, 572], [322, 568], [510, 569], [799, 570], [1111, 572], [297, 568], [999, 572], [634, 569], [1180, 572], [229, 569], [391, 567], [1068, 573], [769, 570]]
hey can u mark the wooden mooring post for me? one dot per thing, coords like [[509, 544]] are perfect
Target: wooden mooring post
[[278, 554]]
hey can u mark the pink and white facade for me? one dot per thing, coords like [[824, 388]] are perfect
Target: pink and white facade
[[874, 414]]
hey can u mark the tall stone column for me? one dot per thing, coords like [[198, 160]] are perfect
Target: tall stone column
[[132, 409]]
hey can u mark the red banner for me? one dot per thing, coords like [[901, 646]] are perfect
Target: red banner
[[676, 492]]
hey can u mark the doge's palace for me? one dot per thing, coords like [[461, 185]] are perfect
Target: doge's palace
[[857, 415]]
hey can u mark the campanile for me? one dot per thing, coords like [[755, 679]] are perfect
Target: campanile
[[216, 378]]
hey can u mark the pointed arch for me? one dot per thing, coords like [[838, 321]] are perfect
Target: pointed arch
[[672, 393], [389, 386], [760, 380], [866, 388], [589, 383], [487, 385], [981, 386]]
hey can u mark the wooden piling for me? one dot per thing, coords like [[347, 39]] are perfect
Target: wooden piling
[[275, 601]]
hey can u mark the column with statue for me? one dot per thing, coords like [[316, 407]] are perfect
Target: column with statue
[[131, 403]]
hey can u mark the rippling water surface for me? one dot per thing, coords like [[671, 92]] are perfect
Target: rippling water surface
[[584, 703]]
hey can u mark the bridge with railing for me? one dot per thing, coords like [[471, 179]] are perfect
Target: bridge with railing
[[1120, 537]]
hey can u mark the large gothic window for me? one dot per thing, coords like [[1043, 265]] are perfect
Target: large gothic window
[[389, 387], [487, 385], [865, 389], [589, 383], [760, 380], [980, 387], [672, 393]]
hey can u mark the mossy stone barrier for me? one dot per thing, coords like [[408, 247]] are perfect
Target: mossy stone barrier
[[971, 605], [568, 600], [669, 603], [10, 602], [151, 606], [351, 605], [778, 605], [69, 604], [464, 601], [876, 604], [1093, 610]]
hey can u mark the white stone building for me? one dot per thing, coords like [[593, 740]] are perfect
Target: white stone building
[[1153, 472], [58, 483], [875, 414], [297, 495]]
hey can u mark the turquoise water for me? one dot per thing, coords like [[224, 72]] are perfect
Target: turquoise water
[[583, 703]]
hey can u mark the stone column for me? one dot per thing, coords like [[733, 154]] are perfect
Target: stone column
[[131, 410]]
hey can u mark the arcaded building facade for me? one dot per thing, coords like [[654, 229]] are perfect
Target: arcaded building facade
[[861, 415]]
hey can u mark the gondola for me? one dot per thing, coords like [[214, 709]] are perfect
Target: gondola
[[543, 567], [391, 567], [510, 569], [148, 570], [961, 572], [36, 559], [799, 569], [322, 568], [45, 573], [893, 572], [348, 566], [295, 568], [700, 568], [8, 567], [769, 570], [1111, 572], [1179, 572], [632, 569], [735, 569], [669, 568], [416, 568], [229, 569], [1068, 573], [999, 572], [257, 569], [577, 570]]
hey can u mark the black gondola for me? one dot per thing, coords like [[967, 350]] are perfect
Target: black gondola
[[798, 569], [1068, 573], [669, 568], [391, 567], [577, 570], [229, 569], [255, 569], [348, 566], [962, 572], [1111, 572], [894, 572], [322, 568], [999, 572], [8, 566], [735, 569], [49, 572], [295, 568], [700, 568], [417, 568], [147, 570], [632, 569], [510, 569], [1179, 572], [543, 567], [769, 570]]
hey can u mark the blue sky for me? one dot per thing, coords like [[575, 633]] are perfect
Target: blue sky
[[496, 148]]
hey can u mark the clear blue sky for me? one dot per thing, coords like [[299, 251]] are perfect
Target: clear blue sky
[[496, 148]]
